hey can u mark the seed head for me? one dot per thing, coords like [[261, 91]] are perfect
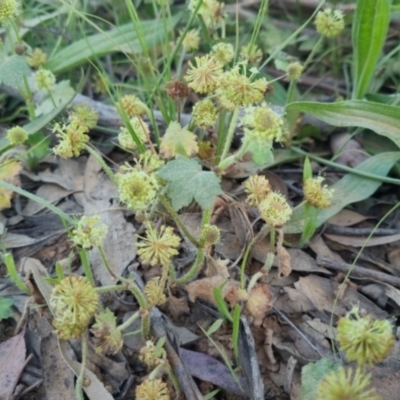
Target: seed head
[[37, 58], [204, 77], [84, 115], [177, 90], [132, 106], [365, 341], [316, 194], [73, 139], [274, 209], [74, 302], [17, 135], [252, 54], [152, 389], [154, 292], [158, 247], [294, 71], [44, 79], [140, 128], [89, 232], [257, 187], [204, 113], [223, 52], [329, 23], [191, 41], [210, 235], [342, 384]]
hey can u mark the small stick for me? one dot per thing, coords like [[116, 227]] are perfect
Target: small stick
[[358, 272]]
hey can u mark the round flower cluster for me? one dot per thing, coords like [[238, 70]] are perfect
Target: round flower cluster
[[141, 130], [89, 232], [316, 194], [132, 106], [73, 139], [44, 79], [9, 9], [329, 23], [204, 113], [17, 135]]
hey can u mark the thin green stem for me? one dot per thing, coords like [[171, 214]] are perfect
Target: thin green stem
[[312, 54], [234, 157], [100, 160], [229, 136], [347, 169], [194, 270], [129, 321], [81, 376], [8, 260], [164, 201], [28, 97], [291, 92], [106, 263], [86, 265]]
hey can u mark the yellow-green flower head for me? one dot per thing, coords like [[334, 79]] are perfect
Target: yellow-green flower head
[[204, 77], [329, 23], [316, 194], [211, 11], [210, 235], [238, 90], [152, 389], [343, 385], [9, 9], [17, 135], [148, 162], [37, 58], [140, 128], [365, 341], [132, 106], [109, 338], [137, 189], [223, 52], [178, 141], [204, 113], [257, 187], [44, 79], [262, 124], [274, 209], [89, 232], [150, 354], [294, 71], [191, 41], [252, 54], [154, 292], [74, 302], [72, 139], [158, 247], [84, 115]]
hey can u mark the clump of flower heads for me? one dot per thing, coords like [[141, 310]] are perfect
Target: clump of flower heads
[[224, 53], [132, 106], [17, 135], [37, 59], [316, 194], [257, 187], [141, 130], [329, 23], [152, 389], [236, 89], [73, 139], [344, 384], [204, 76], [44, 79], [74, 302], [9, 9], [275, 210], [159, 246], [90, 232], [137, 189], [84, 115], [364, 340], [262, 124]]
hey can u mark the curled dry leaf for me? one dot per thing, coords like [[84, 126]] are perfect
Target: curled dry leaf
[[203, 289], [259, 303], [283, 257]]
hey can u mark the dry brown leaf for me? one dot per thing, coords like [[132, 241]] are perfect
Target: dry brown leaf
[[356, 241], [9, 172], [217, 267], [346, 218], [319, 247], [259, 303], [351, 152], [177, 306]]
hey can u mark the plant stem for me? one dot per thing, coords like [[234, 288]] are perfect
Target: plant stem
[[164, 201], [312, 54], [129, 321], [229, 136], [12, 271], [79, 381], [194, 270], [100, 160], [86, 265], [28, 97]]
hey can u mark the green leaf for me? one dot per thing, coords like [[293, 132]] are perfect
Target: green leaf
[[221, 305], [122, 38], [13, 69], [350, 189], [381, 118], [5, 307], [262, 153], [370, 26], [188, 182], [61, 91], [312, 374]]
